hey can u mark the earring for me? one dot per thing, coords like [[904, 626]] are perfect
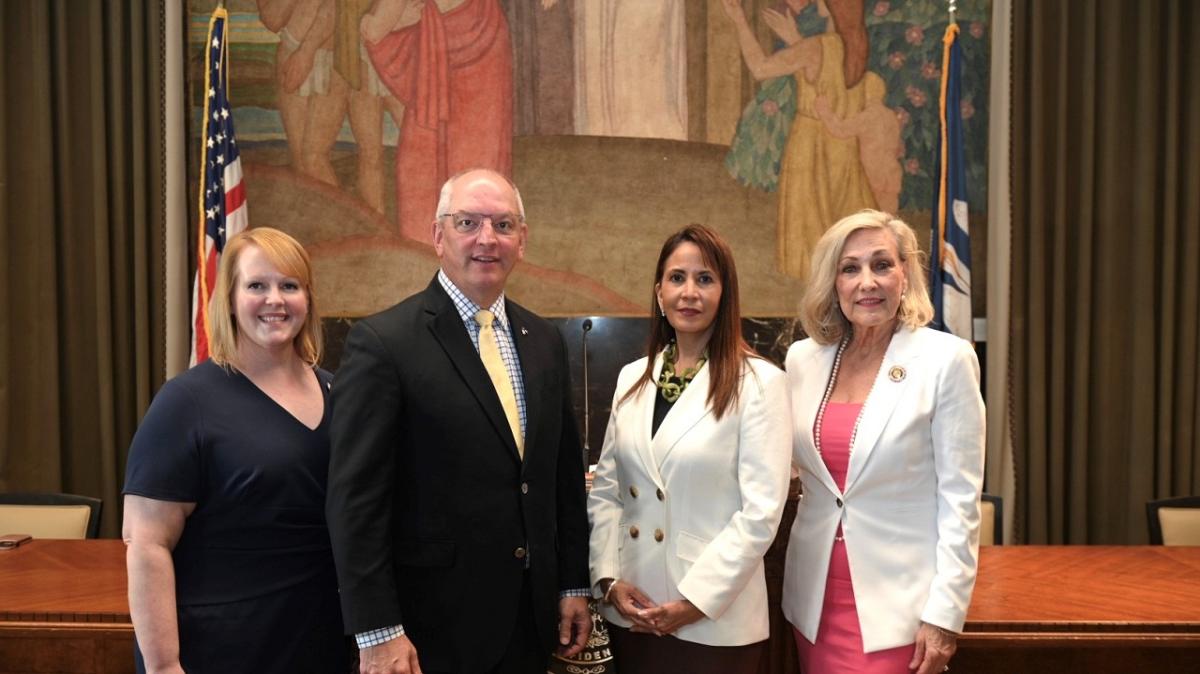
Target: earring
[[662, 312]]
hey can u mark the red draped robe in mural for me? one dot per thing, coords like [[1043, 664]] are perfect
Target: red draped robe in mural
[[453, 72]]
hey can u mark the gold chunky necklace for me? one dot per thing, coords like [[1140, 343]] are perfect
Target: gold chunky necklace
[[670, 385]]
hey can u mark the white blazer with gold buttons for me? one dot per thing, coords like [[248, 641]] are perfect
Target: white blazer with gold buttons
[[696, 525], [910, 509]]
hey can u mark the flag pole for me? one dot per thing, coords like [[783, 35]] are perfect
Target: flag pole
[[221, 193], [950, 254]]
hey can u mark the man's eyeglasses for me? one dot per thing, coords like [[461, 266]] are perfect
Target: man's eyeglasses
[[503, 224]]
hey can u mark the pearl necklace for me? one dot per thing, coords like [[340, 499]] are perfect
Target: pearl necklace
[[837, 366]]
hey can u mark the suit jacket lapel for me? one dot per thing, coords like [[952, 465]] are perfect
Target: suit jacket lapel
[[817, 371], [529, 353], [688, 410], [643, 414], [887, 392], [447, 327]]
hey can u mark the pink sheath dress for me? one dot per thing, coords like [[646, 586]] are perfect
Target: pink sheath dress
[[839, 647]]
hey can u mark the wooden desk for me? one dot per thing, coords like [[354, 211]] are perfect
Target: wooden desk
[[64, 608], [1084, 609]]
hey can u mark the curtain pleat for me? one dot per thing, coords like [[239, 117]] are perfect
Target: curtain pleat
[[1105, 245], [82, 331]]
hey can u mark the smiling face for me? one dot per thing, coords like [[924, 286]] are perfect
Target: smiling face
[[870, 278], [689, 291], [478, 262], [270, 307]]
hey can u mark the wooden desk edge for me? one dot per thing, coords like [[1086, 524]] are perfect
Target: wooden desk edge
[[1079, 639], [28, 629]]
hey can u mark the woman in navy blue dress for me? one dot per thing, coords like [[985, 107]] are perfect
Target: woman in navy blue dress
[[229, 563]]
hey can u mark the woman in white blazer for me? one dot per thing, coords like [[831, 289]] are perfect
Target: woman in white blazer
[[692, 478], [889, 433]]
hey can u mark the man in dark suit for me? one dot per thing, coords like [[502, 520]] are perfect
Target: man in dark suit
[[456, 500]]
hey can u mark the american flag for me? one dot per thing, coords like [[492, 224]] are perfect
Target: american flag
[[222, 194], [950, 252]]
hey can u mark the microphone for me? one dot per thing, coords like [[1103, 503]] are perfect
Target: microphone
[[587, 413]]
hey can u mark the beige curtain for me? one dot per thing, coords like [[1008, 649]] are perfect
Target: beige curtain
[[1105, 264], [81, 240], [1000, 478]]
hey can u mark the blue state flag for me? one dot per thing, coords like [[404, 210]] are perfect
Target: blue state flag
[[950, 252]]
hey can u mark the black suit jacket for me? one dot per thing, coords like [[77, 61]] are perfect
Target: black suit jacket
[[431, 510]]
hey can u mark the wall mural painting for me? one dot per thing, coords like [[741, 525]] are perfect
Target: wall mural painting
[[621, 120]]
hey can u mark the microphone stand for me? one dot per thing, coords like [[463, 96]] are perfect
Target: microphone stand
[[587, 406]]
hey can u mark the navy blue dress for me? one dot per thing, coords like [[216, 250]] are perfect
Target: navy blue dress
[[255, 585]]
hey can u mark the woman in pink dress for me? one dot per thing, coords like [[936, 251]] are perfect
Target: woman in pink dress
[[889, 433]]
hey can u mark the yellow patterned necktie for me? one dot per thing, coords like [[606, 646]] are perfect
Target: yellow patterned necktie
[[489, 353]]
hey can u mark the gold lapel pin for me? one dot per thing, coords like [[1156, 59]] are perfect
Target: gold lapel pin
[[897, 374]]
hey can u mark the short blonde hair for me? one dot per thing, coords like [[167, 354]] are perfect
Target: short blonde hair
[[290, 258], [821, 313]]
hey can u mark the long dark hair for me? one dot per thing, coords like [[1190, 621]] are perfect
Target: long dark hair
[[727, 350]]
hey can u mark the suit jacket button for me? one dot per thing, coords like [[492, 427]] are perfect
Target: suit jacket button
[[661, 496], [524, 487], [839, 503], [519, 553], [633, 532], [658, 535], [633, 491]]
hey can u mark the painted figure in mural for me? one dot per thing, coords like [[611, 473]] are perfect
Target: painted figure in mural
[[821, 176], [310, 95], [449, 62], [368, 99], [696, 457], [631, 69], [880, 147]]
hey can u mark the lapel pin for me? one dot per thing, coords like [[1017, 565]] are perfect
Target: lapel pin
[[897, 374], [524, 331]]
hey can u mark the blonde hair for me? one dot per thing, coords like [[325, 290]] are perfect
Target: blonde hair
[[821, 313], [289, 257]]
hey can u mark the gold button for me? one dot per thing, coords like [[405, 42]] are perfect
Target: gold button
[[519, 553], [633, 491], [658, 535], [633, 532], [661, 496]]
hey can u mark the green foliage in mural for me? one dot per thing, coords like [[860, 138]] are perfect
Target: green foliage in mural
[[906, 51], [762, 134], [905, 39]]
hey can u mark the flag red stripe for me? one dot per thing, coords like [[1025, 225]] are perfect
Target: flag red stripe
[[234, 198]]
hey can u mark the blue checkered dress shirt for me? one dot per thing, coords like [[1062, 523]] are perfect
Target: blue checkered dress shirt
[[508, 351]]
